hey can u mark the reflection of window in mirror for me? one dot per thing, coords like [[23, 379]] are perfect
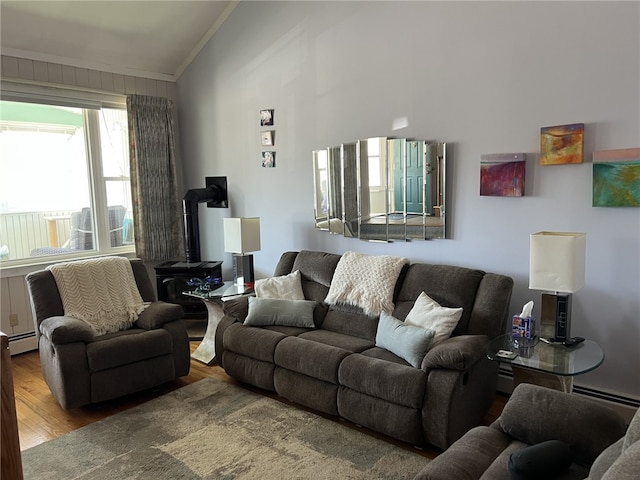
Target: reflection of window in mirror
[[375, 177], [322, 200]]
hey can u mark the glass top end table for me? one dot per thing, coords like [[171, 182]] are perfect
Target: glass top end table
[[213, 300], [550, 359]]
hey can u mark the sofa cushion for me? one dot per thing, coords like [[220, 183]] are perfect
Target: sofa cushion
[[346, 342], [429, 314], [316, 360], [276, 311], [128, 346], [316, 271], [350, 322], [448, 285], [399, 384], [285, 286], [384, 354], [406, 341], [253, 342]]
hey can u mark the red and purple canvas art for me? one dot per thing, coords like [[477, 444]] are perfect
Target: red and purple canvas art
[[502, 174]]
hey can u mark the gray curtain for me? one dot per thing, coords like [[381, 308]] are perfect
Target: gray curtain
[[157, 218]]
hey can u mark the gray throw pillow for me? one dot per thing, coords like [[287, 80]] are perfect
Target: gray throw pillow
[[276, 311], [406, 341]]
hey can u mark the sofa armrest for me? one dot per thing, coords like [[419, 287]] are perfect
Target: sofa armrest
[[456, 353], [467, 458], [237, 308], [61, 329], [157, 314], [536, 414]]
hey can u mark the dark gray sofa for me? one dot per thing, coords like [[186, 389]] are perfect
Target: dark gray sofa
[[81, 367], [336, 368], [599, 447]]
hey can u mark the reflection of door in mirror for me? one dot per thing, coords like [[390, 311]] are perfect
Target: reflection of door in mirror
[[397, 193], [415, 178], [321, 187]]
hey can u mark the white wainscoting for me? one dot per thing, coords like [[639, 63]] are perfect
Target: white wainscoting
[[14, 301]]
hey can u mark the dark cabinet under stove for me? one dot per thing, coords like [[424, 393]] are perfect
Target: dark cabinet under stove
[[172, 278]]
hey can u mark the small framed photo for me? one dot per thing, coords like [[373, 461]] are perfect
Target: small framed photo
[[266, 117], [268, 137], [268, 159]]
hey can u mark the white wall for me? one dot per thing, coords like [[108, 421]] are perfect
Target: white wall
[[484, 77]]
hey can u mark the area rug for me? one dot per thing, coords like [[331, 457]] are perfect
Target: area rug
[[214, 430]]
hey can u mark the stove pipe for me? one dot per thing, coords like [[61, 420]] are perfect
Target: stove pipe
[[216, 196]]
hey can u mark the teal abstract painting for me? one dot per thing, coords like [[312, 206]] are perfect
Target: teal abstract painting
[[616, 178]]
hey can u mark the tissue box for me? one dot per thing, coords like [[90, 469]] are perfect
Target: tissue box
[[523, 327]]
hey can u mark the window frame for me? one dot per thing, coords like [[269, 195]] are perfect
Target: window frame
[[92, 102]]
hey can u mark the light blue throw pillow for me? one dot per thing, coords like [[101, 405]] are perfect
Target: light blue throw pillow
[[276, 311], [406, 341]]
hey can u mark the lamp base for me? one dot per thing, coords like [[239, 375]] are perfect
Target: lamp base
[[555, 320], [243, 270]]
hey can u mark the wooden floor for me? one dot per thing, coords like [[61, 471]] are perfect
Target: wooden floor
[[40, 418]]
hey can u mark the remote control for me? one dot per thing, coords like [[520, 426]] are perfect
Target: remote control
[[573, 341], [509, 355]]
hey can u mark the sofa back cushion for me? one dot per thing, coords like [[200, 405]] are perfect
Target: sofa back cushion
[[316, 271], [448, 285]]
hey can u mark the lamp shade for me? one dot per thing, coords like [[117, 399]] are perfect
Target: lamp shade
[[242, 234], [557, 261]]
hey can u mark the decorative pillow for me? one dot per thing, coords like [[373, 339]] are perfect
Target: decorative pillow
[[543, 460], [429, 314], [287, 287], [406, 341], [365, 281], [276, 311]]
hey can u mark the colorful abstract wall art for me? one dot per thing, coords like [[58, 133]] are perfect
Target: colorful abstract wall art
[[502, 174], [616, 178], [562, 144]]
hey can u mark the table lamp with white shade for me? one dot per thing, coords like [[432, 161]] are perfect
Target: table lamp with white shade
[[557, 266], [242, 235]]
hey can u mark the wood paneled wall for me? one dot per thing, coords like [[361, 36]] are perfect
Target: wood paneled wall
[[57, 74]]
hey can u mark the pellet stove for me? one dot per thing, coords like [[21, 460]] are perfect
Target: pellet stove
[[172, 276]]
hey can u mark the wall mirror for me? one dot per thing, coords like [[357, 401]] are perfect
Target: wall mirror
[[381, 189]]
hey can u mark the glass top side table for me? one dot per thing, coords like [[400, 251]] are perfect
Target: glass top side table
[[213, 300], [554, 359]]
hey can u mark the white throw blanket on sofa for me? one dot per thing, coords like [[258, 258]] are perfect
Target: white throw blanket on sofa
[[366, 281], [101, 292]]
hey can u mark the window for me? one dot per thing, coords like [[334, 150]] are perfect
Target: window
[[64, 181]]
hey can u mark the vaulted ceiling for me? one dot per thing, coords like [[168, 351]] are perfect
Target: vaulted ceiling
[[153, 39]]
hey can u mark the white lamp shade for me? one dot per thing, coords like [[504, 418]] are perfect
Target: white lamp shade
[[242, 235], [557, 261]]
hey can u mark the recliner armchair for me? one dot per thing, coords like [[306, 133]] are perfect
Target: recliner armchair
[[534, 419], [81, 367]]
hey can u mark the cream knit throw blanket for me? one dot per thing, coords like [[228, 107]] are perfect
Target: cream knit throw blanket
[[100, 291], [366, 281]]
